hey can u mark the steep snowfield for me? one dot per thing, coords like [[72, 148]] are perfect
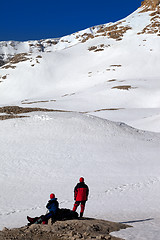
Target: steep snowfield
[[81, 80], [88, 75], [48, 152]]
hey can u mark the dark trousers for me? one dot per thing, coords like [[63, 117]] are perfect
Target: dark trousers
[[77, 203], [48, 216]]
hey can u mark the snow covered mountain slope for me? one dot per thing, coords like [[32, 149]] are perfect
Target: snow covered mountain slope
[[111, 66], [48, 152]]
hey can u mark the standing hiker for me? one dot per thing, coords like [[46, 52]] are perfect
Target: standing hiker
[[81, 192]]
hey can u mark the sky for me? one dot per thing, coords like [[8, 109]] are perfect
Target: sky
[[23, 20]]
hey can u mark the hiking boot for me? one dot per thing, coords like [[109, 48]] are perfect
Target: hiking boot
[[81, 214], [39, 221]]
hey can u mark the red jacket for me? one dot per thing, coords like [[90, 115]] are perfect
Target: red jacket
[[81, 192]]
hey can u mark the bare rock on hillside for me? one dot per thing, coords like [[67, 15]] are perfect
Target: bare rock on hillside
[[1, 61], [150, 5], [85, 228], [10, 112], [154, 26]]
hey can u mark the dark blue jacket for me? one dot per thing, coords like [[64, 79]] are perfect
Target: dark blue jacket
[[52, 205]]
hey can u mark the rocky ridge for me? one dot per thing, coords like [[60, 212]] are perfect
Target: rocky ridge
[[115, 31], [152, 6], [85, 228]]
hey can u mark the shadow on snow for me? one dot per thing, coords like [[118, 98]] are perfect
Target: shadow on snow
[[136, 221]]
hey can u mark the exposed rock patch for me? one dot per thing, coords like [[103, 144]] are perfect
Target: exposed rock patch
[[9, 66], [39, 56], [112, 80], [34, 102], [154, 26], [118, 65], [68, 94], [98, 48], [149, 5], [21, 57], [2, 62], [20, 110], [125, 87], [86, 36], [108, 109], [10, 112], [4, 77], [115, 31], [92, 48], [33, 46], [5, 117], [70, 229]]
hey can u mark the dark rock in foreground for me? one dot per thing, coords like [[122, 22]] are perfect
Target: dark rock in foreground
[[85, 228]]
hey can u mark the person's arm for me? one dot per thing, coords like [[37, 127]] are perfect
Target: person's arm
[[57, 204], [75, 192], [48, 205], [87, 192]]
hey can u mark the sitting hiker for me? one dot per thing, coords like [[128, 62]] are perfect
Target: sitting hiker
[[81, 192], [52, 206]]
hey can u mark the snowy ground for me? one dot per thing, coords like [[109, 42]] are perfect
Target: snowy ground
[[48, 153], [105, 90]]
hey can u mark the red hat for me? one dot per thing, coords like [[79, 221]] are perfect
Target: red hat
[[52, 195], [81, 179]]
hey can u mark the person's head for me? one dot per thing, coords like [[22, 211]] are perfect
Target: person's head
[[52, 195], [81, 179]]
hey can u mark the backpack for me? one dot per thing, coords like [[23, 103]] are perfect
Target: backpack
[[66, 214]]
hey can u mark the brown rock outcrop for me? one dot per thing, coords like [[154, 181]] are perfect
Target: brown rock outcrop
[[154, 7], [62, 230], [150, 5]]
